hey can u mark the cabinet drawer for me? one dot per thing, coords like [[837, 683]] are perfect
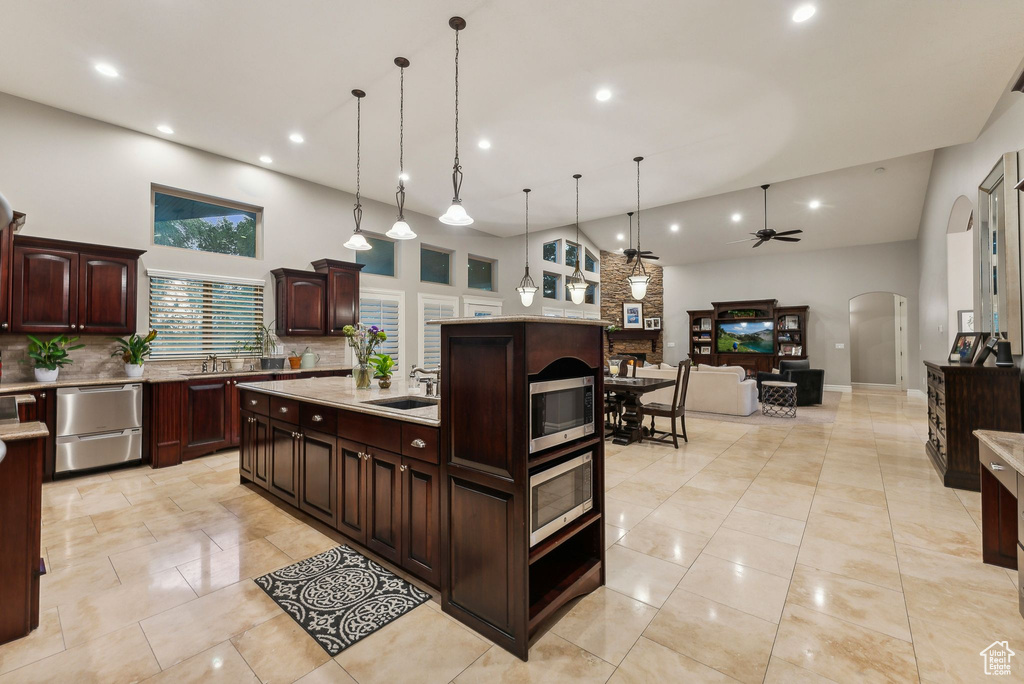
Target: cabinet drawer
[[371, 430], [284, 409], [255, 402], [319, 418], [420, 441], [1006, 475]]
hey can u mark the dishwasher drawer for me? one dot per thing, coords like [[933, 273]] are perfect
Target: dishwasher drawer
[[102, 408], [82, 452]]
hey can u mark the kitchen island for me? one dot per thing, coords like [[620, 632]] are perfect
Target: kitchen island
[[367, 470]]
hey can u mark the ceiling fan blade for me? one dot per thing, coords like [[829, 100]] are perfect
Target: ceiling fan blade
[[736, 242], [759, 243], [787, 239], [790, 232], [651, 256]]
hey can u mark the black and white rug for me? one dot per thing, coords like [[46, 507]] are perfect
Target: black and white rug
[[340, 596]]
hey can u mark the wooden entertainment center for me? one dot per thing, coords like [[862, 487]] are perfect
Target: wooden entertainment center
[[788, 334]]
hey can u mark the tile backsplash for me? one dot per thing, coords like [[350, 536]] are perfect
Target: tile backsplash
[[94, 359]]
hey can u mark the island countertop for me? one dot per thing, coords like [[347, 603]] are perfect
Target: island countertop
[[342, 393], [1007, 445]]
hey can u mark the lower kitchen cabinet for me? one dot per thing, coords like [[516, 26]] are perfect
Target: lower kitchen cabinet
[[207, 423], [318, 475], [352, 490], [252, 452], [284, 455], [384, 504], [421, 516]]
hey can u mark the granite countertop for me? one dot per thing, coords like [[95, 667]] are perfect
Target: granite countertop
[[1008, 445], [519, 319], [342, 393], [16, 431], [153, 377]]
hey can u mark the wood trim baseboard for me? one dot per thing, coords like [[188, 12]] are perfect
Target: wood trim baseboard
[[838, 388]]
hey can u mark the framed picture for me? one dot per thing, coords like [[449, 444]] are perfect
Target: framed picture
[[705, 350], [705, 324], [965, 347], [632, 315], [652, 324], [965, 320]]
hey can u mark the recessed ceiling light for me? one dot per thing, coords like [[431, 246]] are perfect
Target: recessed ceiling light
[[296, 138], [736, 218], [674, 227], [603, 95], [107, 70], [803, 13], [814, 204], [620, 236], [266, 160], [620, 250], [880, 169], [165, 129], [484, 144], [403, 176]]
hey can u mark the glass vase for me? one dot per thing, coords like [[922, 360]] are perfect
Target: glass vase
[[362, 373]]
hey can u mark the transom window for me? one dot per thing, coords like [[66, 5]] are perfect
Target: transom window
[[205, 224], [379, 260], [551, 250], [572, 251], [589, 262], [551, 283], [435, 265], [481, 273]]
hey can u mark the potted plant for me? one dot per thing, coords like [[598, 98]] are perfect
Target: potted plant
[[364, 340], [51, 356], [134, 351], [294, 359], [383, 364]]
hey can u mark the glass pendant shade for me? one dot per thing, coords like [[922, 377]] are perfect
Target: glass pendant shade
[[526, 293], [638, 285], [401, 231], [456, 215], [577, 287], [358, 242]]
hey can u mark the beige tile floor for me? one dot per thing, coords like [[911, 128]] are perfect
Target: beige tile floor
[[759, 554]]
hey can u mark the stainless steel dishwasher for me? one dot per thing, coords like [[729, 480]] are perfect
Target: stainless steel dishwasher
[[98, 426]]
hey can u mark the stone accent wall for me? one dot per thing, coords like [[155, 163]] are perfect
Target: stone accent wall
[[615, 292]]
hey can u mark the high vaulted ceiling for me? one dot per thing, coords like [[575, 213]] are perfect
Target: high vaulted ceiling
[[717, 95]]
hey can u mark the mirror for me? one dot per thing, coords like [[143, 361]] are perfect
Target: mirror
[[998, 252]]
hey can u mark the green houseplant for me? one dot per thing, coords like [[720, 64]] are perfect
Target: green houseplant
[[51, 356], [262, 342], [364, 340], [134, 350], [382, 365]]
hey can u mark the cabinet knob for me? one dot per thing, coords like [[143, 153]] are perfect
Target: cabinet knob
[[3, 325], [403, 468], [81, 327], [252, 402], [317, 418], [996, 466], [73, 326], [283, 409], [418, 443]]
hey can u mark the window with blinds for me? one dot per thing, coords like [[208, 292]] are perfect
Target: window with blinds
[[433, 308], [385, 312], [196, 315]]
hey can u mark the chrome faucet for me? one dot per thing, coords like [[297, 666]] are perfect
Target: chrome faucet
[[432, 370], [433, 383]]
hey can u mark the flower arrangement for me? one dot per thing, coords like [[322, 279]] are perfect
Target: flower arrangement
[[364, 340]]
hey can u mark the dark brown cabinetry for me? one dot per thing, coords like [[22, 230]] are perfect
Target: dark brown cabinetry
[[21, 481], [322, 302], [6, 259], [206, 412], [255, 440], [789, 334], [342, 293], [283, 466], [352, 490], [318, 475], [421, 514], [68, 287], [384, 504]]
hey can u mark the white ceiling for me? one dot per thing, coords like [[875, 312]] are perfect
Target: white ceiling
[[718, 96]]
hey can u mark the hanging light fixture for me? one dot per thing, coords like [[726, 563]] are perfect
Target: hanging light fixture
[[401, 229], [357, 241], [456, 214], [577, 283], [527, 288], [638, 278]]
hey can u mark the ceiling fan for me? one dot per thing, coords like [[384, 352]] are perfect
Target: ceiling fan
[[765, 234], [631, 253]]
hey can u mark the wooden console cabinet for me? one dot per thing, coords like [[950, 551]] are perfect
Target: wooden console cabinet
[[704, 329]]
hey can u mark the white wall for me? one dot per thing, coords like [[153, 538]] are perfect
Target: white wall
[[873, 338], [825, 280], [960, 278]]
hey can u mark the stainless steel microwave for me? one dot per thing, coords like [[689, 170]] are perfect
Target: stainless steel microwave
[[559, 495], [560, 411]]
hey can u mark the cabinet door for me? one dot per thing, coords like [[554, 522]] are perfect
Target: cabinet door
[[164, 427], [236, 426], [206, 417], [304, 305], [247, 445], [261, 451], [352, 490], [283, 462], [106, 294], [384, 501], [6, 257], [45, 290], [342, 299], [318, 476], [421, 520]]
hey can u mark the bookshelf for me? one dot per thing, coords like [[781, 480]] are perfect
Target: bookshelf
[[789, 333]]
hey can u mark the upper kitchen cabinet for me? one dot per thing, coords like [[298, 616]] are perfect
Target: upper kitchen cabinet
[[6, 258], [300, 301], [70, 287], [342, 293]]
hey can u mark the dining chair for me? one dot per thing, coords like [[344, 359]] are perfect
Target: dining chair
[[676, 410]]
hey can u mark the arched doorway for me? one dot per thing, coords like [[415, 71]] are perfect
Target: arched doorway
[[878, 341], [960, 268]]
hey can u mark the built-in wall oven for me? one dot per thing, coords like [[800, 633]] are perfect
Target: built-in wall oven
[[560, 411], [559, 495]]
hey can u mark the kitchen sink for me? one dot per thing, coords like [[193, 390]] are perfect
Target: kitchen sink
[[404, 403]]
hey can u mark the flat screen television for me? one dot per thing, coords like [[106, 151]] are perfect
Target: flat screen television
[[745, 337]]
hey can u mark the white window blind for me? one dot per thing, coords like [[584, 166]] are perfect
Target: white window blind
[[197, 315], [385, 312], [433, 308]]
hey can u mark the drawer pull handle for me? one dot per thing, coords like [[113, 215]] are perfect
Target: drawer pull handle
[[252, 402], [317, 418], [996, 466], [418, 443], [283, 409], [403, 468]]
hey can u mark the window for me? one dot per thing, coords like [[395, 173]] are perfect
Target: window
[[551, 250], [379, 260], [435, 265], [571, 251], [590, 296], [573, 313], [196, 315], [592, 315], [551, 281], [589, 262], [433, 307], [383, 308], [205, 224], [551, 312], [480, 306], [481, 273]]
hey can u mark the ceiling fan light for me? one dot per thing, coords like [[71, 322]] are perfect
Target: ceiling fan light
[[401, 231], [358, 243], [638, 285]]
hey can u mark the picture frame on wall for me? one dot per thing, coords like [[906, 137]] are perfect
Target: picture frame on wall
[[965, 347], [965, 320], [652, 324], [632, 315]]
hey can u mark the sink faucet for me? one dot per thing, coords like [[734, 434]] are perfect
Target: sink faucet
[[433, 383], [432, 370]]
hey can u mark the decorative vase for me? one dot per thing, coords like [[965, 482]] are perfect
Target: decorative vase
[[362, 373], [134, 370], [294, 361], [385, 382], [236, 364], [46, 375]]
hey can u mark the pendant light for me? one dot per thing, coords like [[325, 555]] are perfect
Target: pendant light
[[638, 278], [401, 229], [456, 214], [357, 241], [527, 288], [577, 281]]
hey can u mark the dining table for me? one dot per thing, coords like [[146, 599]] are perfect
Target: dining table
[[631, 389]]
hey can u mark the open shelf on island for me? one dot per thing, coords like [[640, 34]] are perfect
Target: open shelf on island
[[571, 568], [563, 535], [555, 454]]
